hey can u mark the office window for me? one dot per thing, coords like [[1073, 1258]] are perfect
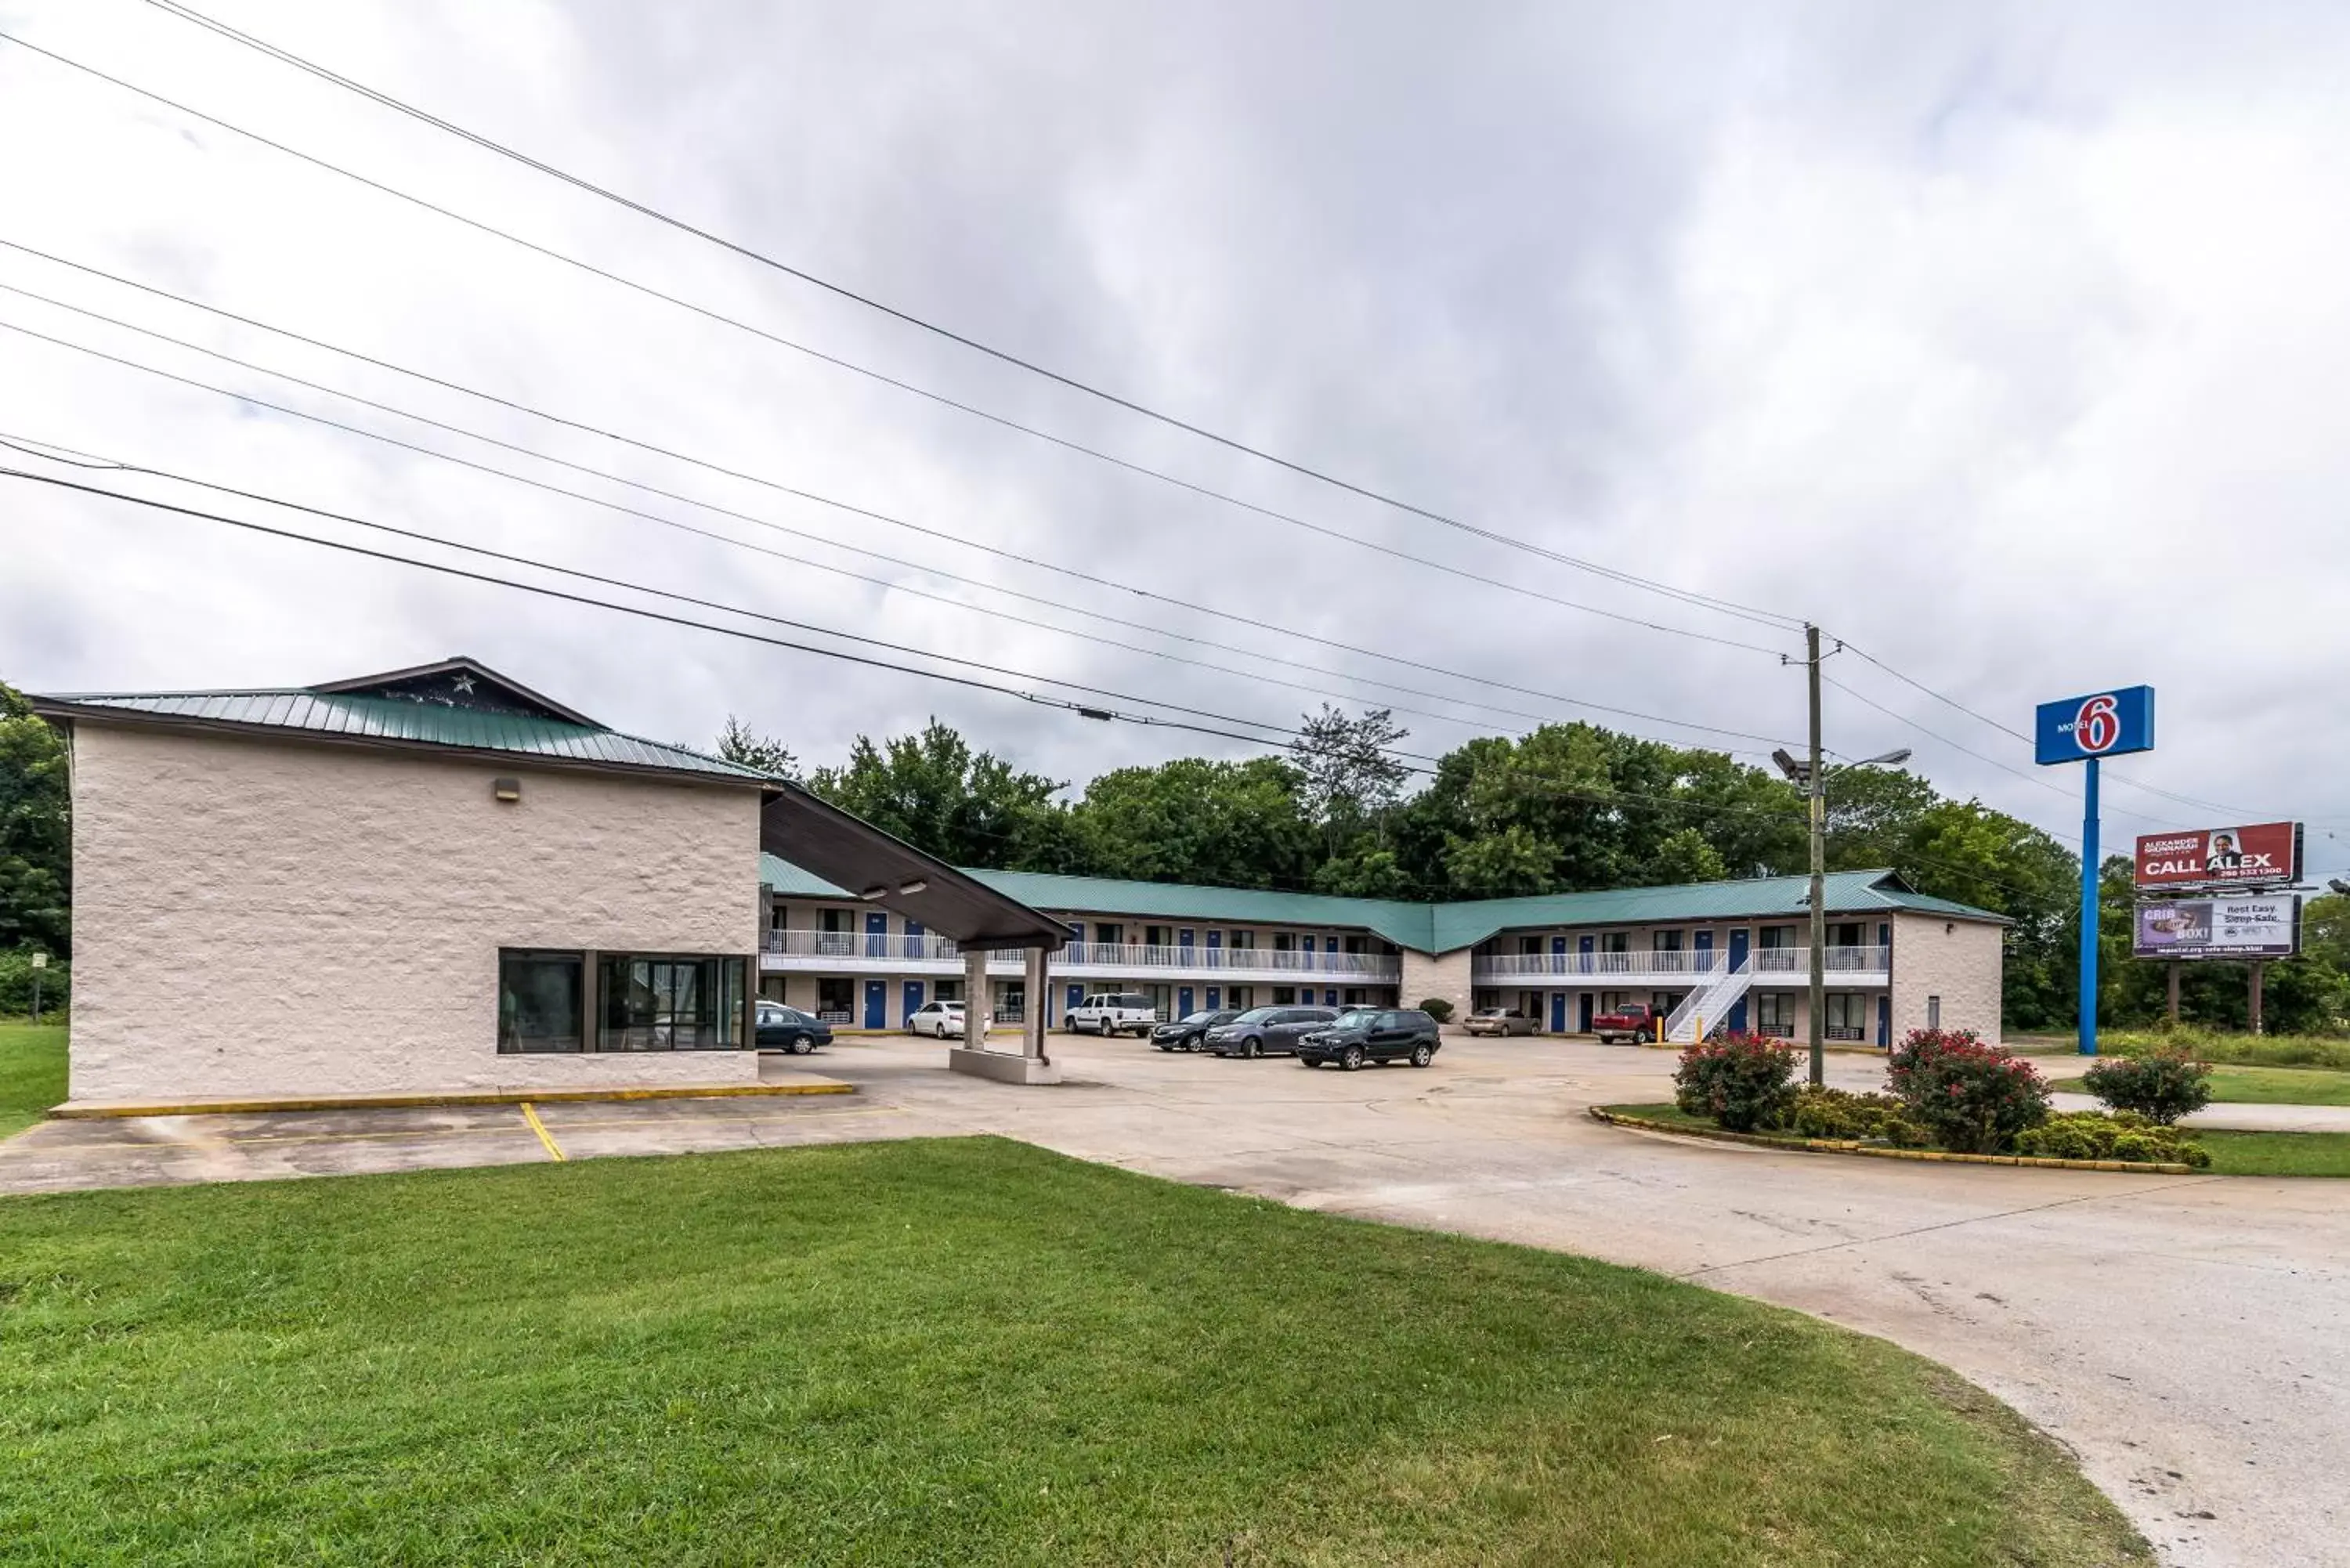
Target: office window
[[1775, 1013], [539, 1002], [835, 999], [1664, 941], [1284, 995], [1615, 942], [1777, 937], [664, 1004], [941, 990], [1934, 1012], [1241, 996], [1245, 940]]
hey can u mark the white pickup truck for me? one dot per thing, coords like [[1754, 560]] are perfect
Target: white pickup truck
[[1114, 1012]]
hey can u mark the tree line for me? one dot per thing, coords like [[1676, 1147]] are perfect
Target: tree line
[[1564, 808]]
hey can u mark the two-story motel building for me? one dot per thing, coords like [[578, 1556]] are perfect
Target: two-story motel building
[[1896, 959]]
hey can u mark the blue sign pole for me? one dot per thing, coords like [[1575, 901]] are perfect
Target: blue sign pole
[[2083, 730], [2091, 872]]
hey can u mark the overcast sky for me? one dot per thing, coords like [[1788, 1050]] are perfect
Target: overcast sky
[[2006, 341]]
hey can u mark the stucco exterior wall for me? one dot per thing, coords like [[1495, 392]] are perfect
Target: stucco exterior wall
[[262, 916], [1959, 961], [1442, 975]]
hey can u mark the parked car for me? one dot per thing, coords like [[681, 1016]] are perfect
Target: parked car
[[1373, 1034], [1187, 1032], [1115, 1013], [1498, 1021], [1628, 1025], [1267, 1030], [936, 1019], [781, 1028]]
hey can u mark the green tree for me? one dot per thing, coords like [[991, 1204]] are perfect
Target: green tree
[[1348, 778], [737, 742], [971, 808], [1240, 825], [1687, 856], [36, 837], [1501, 864]]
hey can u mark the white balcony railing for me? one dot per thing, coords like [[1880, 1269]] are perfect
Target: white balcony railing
[[1682, 966], [818, 949], [1217, 960]]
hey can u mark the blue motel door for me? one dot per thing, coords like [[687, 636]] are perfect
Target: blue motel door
[[1077, 997], [877, 1003], [1559, 1011], [1738, 938], [913, 998], [876, 936], [1583, 1011], [1182, 1002]]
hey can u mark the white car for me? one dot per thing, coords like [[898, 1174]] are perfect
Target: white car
[[937, 1018], [1120, 1013]]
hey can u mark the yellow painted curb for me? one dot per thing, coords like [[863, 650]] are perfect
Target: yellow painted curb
[[103, 1109], [554, 1150], [1878, 1151]]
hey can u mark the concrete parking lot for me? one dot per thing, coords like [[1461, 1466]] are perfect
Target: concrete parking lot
[[2182, 1334]]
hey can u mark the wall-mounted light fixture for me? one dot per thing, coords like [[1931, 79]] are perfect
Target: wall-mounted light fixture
[[508, 790], [908, 889]]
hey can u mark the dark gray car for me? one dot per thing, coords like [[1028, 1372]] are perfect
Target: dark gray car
[[1187, 1032], [1268, 1031]]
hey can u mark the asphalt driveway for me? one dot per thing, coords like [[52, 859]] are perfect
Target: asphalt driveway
[[2182, 1334]]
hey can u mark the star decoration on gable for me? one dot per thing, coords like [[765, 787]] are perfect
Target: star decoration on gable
[[463, 685]]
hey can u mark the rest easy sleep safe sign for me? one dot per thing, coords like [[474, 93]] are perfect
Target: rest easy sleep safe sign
[[2085, 729]]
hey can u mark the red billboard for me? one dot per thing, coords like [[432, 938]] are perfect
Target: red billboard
[[2266, 854]]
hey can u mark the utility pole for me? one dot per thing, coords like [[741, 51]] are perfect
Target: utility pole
[[1815, 1013]]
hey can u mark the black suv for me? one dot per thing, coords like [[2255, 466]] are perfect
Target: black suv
[[1373, 1034], [1187, 1032]]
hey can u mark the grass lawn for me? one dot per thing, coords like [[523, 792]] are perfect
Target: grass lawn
[[32, 1072], [2262, 1086], [2277, 1153], [962, 1350]]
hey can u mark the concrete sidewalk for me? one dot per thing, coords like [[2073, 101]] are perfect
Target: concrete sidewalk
[[2241, 1118]]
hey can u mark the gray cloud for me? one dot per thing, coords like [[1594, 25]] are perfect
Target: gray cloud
[[2001, 339]]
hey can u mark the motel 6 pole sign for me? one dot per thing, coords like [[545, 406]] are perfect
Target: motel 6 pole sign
[[2085, 729]]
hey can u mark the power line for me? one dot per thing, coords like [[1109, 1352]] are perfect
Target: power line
[[719, 317], [1613, 799], [764, 523], [798, 493], [1617, 799], [1084, 709], [842, 291], [2111, 776]]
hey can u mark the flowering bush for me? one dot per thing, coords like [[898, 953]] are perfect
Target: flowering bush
[[2161, 1086], [1742, 1082], [1839, 1114], [2093, 1135], [1974, 1098]]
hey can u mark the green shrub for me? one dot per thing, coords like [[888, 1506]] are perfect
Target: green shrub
[[2093, 1134], [1743, 1083], [1971, 1097], [1838, 1113], [2161, 1086], [1436, 1007], [16, 984]]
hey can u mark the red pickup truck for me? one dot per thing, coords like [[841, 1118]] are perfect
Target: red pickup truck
[[1630, 1024]]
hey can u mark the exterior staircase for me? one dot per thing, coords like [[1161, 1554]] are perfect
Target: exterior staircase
[[1709, 1002]]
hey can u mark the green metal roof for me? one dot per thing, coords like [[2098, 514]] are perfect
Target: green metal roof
[[474, 710], [1435, 928]]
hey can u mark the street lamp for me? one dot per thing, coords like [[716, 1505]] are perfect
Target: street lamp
[[2339, 885], [1812, 778]]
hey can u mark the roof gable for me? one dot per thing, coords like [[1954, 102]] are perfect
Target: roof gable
[[459, 683]]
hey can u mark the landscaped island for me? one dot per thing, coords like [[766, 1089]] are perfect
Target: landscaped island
[[1949, 1095], [965, 1351]]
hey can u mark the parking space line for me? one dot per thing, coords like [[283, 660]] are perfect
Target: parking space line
[[530, 1115]]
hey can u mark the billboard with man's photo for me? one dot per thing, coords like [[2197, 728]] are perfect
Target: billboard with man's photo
[[2266, 854]]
